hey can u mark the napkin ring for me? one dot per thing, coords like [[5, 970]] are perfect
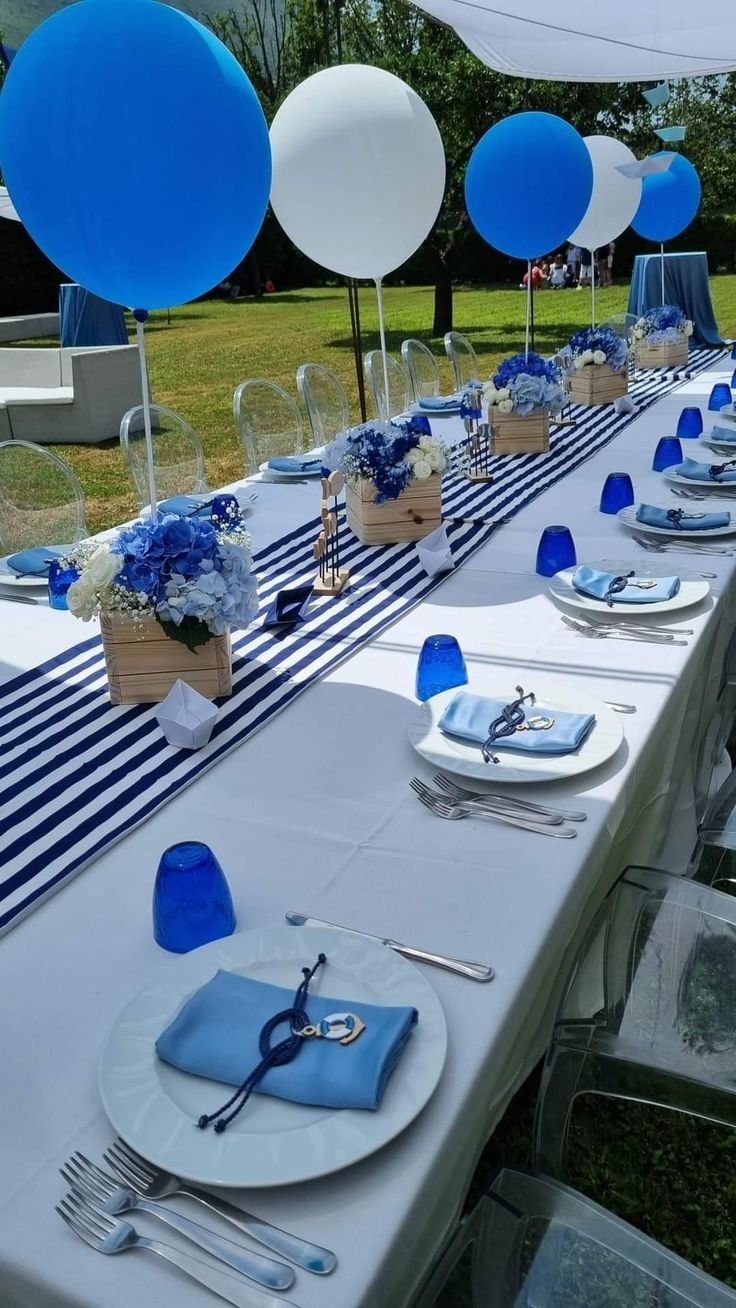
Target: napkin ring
[[509, 721], [617, 584], [676, 516]]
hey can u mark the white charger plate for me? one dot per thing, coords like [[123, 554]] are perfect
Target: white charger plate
[[271, 474], [465, 760], [717, 487], [154, 1107], [712, 443], [245, 495], [10, 578], [629, 519], [692, 591], [448, 411]]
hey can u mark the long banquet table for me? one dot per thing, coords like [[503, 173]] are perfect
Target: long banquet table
[[314, 812]]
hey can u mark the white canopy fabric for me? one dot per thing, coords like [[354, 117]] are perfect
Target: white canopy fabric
[[6, 205], [581, 41]]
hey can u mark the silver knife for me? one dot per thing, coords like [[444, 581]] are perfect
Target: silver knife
[[474, 971], [19, 599]]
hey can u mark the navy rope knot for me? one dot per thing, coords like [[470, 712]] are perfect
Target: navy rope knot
[[271, 1056], [716, 469], [505, 725], [616, 586]]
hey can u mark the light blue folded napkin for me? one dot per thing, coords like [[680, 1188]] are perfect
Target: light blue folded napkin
[[589, 581], [469, 718], [35, 562], [725, 434], [216, 1035], [187, 506], [307, 464], [701, 471], [681, 519], [437, 403]]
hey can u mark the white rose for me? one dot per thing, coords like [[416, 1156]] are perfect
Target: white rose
[[102, 568], [504, 393], [506, 406], [599, 356], [413, 455], [688, 328], [422, 469], [580, 362], [436, 460], [80, 599], [490, 395]]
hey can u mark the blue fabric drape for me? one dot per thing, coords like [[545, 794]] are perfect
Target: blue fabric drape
[[685, 284], [85, 319]]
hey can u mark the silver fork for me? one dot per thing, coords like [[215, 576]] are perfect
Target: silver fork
[[643, 628], [684, 547], [154, 1183], [524, 805], [111, 1197], [108, 1235], [443, 808], [610, 633], [496, 804]]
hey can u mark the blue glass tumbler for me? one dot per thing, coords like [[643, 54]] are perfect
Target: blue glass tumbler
[[667, 453], [720, 396], [617, 493], [441, 666], [61, 576], [733, 352], [420, 423], [556, 551], [689, 423], [226, 512], [191, 899]]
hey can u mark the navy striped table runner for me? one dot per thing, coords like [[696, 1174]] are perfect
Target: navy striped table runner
[[77, 774]]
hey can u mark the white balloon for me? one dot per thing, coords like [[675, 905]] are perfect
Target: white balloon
[[358, 170], [615, 198]]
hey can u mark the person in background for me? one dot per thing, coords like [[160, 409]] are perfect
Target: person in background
[[536, 277], [606, 265], [544, 269], [557, 274], [586, 269], [574, 254]]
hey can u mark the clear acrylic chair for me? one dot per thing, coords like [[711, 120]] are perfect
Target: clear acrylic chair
[[623, 324], [178, 456], [268, 422], [400, 388], [463, 360], [714, 859], [539, 1244], [649, 1010], [41, 500], [325, 401], [422, 367]]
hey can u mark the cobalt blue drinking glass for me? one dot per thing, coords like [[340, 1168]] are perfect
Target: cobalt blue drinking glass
[[441, 666], [226, 512], [191, 898], [689, 423], [617, 493], [419, 423], [61, 576], [667, 453], [556, 551], [720, 396], [733, 352]]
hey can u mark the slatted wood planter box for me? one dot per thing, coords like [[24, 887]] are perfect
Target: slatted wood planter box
[[512, 433], [664, 355], [414, 514], [143, 663], [597, 383]]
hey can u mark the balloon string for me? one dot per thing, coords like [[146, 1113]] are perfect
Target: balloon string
[[528, 302], [661, 257], [381, 329], [147, 418]]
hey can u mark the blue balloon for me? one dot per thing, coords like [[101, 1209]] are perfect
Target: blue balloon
[[135, 150], [669, 201], [528, 184]]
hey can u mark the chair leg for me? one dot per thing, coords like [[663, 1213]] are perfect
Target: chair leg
[[563, 1078]]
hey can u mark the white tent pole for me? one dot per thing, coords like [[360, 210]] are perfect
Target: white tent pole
[[384, 356], [146, 413]]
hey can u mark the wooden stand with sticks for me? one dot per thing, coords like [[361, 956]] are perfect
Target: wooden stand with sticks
[[479, 455], [331, 578]]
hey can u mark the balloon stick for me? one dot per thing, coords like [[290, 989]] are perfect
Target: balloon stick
[[528, 302], [592, 288], [384, 356], [661, 256], [140, 316]]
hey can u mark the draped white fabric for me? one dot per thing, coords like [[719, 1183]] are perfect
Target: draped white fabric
[[6, 205], [579, 41]]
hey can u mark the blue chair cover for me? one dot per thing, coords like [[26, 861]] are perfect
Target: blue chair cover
[[85, 319], [685, 284]]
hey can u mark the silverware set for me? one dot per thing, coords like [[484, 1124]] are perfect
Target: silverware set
[[684, 493], [679, 546], [494, 808], [19, 599], [96, 1199], [641, 635]]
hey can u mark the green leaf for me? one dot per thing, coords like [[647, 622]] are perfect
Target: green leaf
[[190, 632]]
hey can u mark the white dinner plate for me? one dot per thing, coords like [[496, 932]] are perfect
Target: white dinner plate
[[692, 591], [245, 495], [710, 443], [717, 487], [10, 578], [456, 756], [629, 519], [154, 1107], [448, 411], [272, 475]]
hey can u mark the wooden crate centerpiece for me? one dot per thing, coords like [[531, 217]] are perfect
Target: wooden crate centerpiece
[[143, 662], [597, 383], [514, 433], [666, 354], [413, 514]]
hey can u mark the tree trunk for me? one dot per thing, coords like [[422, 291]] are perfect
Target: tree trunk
[[442, 300]]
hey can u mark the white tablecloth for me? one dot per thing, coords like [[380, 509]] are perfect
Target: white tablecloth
[[360, 850]]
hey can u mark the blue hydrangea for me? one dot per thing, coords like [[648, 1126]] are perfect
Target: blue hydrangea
[[600, 338], [376, 451], [533, 365]]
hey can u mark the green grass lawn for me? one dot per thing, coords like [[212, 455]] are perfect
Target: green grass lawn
[[197, 360]]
